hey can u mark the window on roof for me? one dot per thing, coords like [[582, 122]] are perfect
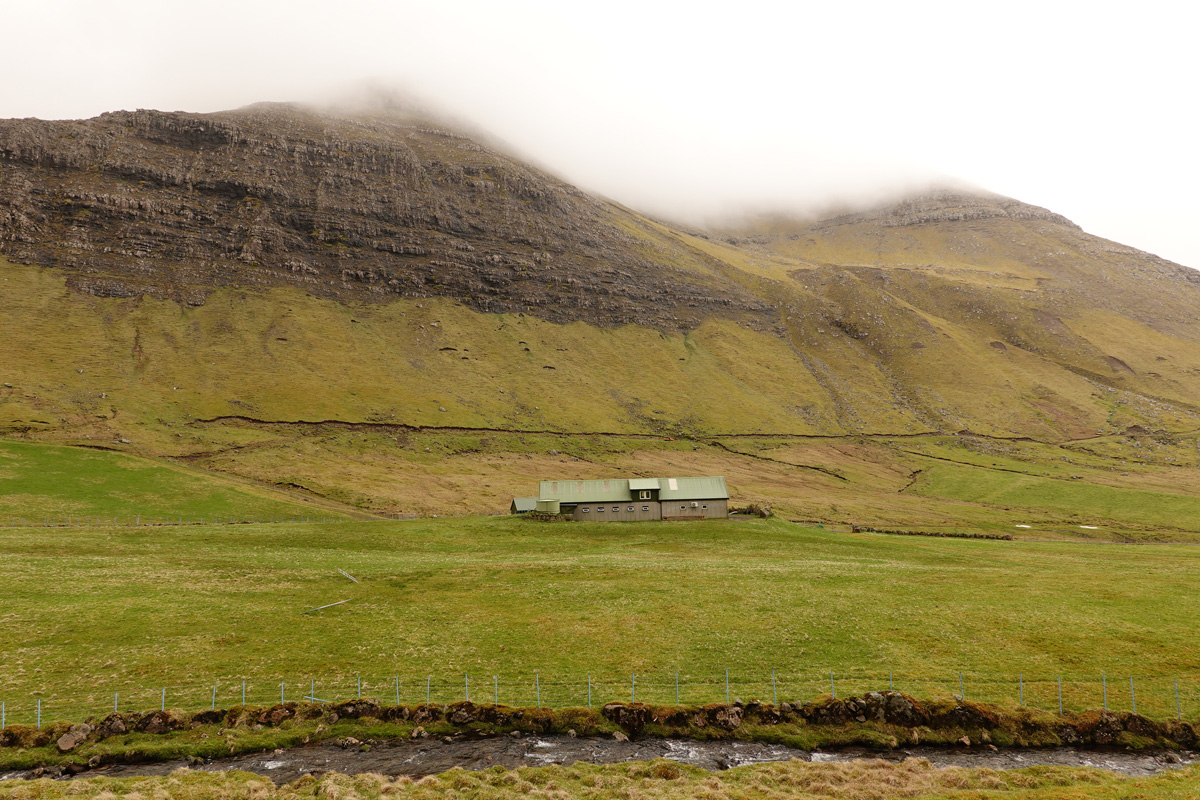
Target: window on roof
[[645, 495]]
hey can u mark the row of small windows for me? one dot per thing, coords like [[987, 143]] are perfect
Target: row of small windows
[[600, 509]]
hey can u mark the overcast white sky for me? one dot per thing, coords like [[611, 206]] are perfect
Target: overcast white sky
[[695, 108]]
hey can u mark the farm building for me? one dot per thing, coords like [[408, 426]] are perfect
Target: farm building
[[522, 505], [625, 499]]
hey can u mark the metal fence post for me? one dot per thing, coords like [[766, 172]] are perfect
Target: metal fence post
[[397, 677], [243, 694], [1132, 696], [891, 686], [214, 699], [467, 687], [774, 694], [1021, 681], [428, 680], [537, 680], [727, 686], [633, 689], [162, 706], [962, 692], [1060, 710], [589, 691], [495, 690], [39, 724], [832, 688], [676, 687], [360, 687], [1178, 708]]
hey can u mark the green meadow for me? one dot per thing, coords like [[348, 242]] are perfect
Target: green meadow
[[522, 611], [42, 484]]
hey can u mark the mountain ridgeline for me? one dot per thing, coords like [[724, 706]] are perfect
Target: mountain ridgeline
[[283, 264]]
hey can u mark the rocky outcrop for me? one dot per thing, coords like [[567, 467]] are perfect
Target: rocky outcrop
[[948, 206], [372, 206]]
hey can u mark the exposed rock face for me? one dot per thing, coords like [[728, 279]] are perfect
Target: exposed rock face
[[377, 206], [949, 206]]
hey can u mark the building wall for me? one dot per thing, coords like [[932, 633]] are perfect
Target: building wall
[[651, 510], [705, 509], [642, 510]]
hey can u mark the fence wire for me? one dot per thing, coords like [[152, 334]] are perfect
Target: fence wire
[[1156, 697]]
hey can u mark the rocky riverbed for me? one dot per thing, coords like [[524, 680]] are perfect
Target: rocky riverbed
[[422, 757]]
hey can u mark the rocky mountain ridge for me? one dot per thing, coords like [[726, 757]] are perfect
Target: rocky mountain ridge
[[385, 204]]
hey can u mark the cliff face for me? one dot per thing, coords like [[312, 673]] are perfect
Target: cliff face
[[369, 207]]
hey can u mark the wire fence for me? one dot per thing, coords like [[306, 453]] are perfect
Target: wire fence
[[1155, 697]]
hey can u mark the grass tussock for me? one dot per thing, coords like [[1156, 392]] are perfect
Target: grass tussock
[[654, 780]]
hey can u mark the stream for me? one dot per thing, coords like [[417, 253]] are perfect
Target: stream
[[422, 757]]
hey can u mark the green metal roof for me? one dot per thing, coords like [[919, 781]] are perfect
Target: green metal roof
[[620, 490], [522, 504], [693, 489], [612, 490]]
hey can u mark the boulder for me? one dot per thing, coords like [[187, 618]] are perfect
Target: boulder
[[112, 725], [354, 709], [462, 713], [71, 739], [155, 722], [275, 715]]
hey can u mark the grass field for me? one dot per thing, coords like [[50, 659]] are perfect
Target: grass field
[[90, 612], [44, 483], [655, 780]]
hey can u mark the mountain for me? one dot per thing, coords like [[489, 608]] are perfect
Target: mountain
[[280, 292], [375, 206]]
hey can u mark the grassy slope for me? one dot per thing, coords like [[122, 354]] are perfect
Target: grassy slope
[[89, 612], [39, 482], [659, 779], [87, 370]]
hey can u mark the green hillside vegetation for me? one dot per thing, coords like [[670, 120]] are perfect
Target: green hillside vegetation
[[655, 780], [344, 403], [90, 612], [46, 483]]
